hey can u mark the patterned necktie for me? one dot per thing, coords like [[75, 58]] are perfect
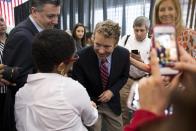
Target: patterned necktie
[[104, 73]]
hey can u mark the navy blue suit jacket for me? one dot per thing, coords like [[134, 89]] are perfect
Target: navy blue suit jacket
[[18, 51], [86, 71]]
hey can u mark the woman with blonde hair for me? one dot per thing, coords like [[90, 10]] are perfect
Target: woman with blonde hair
[[169, 12]]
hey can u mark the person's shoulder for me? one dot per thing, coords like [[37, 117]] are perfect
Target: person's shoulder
[[120, 48], [148, 41], [121, 51], [85, 52], [188, 31], [73, 84], [19, 36], [18, 32], [85, 49], [125, 36], [25, 28], [123, 40], [22, 92]]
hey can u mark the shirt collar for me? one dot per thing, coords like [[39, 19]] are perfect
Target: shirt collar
[[35, 23], [39, 76], [109, 58]]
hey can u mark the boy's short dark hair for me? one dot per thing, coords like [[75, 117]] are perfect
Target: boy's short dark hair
[[51, 47]]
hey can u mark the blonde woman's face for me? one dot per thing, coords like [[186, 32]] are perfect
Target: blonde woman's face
[[167, 13]]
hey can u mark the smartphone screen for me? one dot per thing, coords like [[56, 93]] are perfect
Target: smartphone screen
[[165, 44]]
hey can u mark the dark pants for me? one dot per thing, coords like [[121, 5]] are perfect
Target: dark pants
[[7, 119], [124, 93]]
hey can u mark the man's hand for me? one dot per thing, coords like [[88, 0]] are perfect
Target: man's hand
[[105, 96], [136, 56], [139, 64], [1, 70], [3, 81], [93, 104]]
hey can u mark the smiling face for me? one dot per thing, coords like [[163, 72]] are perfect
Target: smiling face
[[47, 17], [80, 32], [103, 46], [3, 26], [167, 13]]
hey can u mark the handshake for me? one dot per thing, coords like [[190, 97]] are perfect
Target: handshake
[[8, 74]]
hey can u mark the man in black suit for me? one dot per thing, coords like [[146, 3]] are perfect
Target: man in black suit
[[104, 89], [17, 52]]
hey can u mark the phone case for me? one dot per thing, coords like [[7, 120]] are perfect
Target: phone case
[[164, 40]]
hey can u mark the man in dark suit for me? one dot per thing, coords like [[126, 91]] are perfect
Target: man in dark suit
[[103, 70], [17, 51]]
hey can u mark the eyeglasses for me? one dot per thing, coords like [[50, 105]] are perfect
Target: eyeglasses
[[74, 58]]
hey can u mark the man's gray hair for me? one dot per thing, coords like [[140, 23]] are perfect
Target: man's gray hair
[[142, 20]]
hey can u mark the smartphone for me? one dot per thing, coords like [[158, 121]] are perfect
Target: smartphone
[[164, 41], [135, 52]]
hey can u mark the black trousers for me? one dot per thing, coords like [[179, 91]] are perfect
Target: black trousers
[[7, 119]]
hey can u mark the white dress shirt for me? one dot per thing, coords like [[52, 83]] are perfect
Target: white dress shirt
[[51, 102], [35, 24]]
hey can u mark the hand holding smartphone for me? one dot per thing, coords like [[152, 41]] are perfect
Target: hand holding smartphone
[[136, 55], [164, 40], [135, 52]]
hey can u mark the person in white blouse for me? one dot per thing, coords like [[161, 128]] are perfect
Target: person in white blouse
[[50, 100]]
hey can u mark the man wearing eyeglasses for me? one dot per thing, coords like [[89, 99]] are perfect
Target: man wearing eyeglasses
[[103, 70], [17, 52]]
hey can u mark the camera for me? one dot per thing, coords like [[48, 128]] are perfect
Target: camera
[[10, 73]]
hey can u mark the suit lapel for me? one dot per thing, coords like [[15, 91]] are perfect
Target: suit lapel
[[95, 66], [114, 62], [31, 27]]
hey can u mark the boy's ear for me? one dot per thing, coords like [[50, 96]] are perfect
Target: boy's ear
[[61, 68]]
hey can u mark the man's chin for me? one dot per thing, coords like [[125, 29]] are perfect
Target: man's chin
[[50, 27], [140, 39], [101, 57]]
